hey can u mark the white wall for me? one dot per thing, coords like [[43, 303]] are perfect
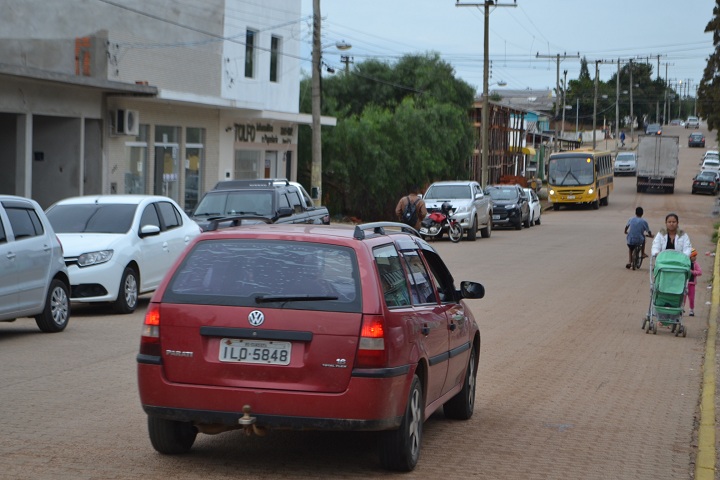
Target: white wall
[[282, 19]]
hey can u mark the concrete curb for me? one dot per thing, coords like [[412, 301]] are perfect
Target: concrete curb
[[705, 462]]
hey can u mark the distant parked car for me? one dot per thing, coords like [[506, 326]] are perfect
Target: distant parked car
[[34, 280], [273, 199], [535, 207], [692, 122], [706, 182], [676, 122], [696, 139], [625, 164], [119, 246], [710, 163], [510, 206], [473, 209], [653, 129]]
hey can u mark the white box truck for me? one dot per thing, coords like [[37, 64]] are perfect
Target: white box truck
[[657, 162]]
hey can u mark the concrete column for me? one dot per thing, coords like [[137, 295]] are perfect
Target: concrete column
[[23, 159]]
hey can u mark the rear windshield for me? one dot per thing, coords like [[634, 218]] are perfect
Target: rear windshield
[[444, 192], [280, 274], [244, 202], [92, 218], [498, 193]]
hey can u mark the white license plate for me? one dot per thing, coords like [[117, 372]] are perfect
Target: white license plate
[[703, 183], [255, 351], [496, 217], [571, 197]]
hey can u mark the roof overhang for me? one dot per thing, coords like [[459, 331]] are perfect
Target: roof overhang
[[76, 80], [248, 110]]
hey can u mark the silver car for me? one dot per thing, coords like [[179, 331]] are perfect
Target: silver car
[[472, 208], [34, 280]]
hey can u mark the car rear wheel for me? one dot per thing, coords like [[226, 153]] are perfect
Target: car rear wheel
[[461, 406], [56, 313], [400, 449], [169, 436], [128, 293]]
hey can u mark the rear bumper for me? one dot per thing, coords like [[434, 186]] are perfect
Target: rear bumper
[[369, 402]]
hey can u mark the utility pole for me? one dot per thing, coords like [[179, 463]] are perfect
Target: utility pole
[[617, 106], [347, 60], [562, 128], [316, 166], [632, 117], [557, 89], [666, 110], [597, 62], [485, 114]]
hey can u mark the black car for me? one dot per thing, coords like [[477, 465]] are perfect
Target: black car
[[255, 201], [510, 206], [705, 182], [653, 129], [696, 139]]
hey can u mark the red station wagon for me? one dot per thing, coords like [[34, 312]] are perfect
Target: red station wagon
[[308, 327]]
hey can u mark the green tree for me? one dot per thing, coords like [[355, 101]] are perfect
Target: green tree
[[398, 125], [709, 90]]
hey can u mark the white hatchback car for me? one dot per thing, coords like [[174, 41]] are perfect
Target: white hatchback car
[[119, 246], [535, 207]]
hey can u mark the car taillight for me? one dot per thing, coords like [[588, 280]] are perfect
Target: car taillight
[[150, 339], [371, 349]]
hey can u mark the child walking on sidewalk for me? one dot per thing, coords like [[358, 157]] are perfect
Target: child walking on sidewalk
[[695, 271]]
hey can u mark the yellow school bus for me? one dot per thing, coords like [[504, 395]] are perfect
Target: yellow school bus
[[580, 177]]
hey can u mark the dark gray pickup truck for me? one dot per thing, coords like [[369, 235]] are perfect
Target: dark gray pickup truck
[[278, 200]]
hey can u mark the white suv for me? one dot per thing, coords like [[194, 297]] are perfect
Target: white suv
[[692, 122], [34, 280], [473, 209]]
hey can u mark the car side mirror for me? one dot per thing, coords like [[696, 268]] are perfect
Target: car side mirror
[[284, 212], [471, 290], [149, 230]]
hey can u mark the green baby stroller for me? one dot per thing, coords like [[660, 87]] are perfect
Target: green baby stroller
[[668, 286]]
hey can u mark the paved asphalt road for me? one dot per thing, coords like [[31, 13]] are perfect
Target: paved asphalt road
[[569, 386]]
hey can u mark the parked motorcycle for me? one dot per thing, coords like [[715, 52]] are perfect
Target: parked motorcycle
[[437, 222]]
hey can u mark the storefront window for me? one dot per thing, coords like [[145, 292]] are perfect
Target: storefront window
[[137, 157], [194, 162], [247, 163], [167, 165]]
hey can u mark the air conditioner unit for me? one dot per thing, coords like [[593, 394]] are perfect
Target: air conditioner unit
[[126, 122]]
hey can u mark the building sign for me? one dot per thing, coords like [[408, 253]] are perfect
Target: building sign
[[265, 133]]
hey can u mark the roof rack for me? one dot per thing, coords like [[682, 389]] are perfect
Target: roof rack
[[234, 220], [378, 228]]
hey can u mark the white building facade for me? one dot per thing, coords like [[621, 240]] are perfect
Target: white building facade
[[148, 97]]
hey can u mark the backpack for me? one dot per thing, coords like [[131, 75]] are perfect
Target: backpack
[[409, 215]]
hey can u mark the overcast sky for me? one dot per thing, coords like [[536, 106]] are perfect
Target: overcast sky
[[598, 30]]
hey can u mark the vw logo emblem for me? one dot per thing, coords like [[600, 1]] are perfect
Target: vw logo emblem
[[256, 318]]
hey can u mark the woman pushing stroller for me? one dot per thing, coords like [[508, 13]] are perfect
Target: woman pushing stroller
[[671, 237]]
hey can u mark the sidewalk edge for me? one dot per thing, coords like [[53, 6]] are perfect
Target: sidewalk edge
[[705, 462]]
